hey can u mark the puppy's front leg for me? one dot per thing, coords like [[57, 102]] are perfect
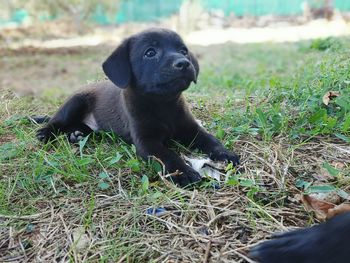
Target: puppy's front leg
[[172, 162], [197, 137], [208, 144]]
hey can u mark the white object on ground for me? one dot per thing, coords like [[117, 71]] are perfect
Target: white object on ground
[[207, 168]]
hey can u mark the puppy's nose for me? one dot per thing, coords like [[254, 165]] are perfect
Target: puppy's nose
[[181, 64]]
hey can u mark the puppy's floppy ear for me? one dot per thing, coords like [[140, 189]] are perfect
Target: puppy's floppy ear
[[117, 67], [195, 64]]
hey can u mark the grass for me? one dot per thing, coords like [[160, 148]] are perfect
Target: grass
[[91, 202]]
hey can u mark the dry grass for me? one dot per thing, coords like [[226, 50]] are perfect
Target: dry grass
[[202, 225], [66, 219]]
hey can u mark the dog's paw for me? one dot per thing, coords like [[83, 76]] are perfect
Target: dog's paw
[[225, 156], [45, 134], [75, 137], [187, 177]]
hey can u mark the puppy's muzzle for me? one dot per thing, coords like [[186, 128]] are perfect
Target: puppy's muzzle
[[185, 68], [181, 64]]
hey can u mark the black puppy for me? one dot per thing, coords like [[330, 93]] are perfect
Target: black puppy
[[142, 103], [324, 243]]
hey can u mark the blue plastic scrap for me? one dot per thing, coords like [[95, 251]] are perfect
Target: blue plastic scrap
[[158, 211]]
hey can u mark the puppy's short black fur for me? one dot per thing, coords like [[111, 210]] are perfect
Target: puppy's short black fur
[[142, 103], [324, 243]]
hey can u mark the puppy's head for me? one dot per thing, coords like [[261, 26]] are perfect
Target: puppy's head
[[155, 61]]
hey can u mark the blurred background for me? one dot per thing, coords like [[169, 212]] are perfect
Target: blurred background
[[88, 30]]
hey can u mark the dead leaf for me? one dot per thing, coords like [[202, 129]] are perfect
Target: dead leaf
[[323, 175], [80, 239], [329, 197], [329, 96], [338, 210], [323, 209], [338, 165], [319, 207]]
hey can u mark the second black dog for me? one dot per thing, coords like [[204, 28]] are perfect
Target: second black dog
[[142, 103], [324, 243]]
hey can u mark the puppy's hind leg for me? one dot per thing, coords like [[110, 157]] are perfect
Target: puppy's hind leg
[[69, 119]]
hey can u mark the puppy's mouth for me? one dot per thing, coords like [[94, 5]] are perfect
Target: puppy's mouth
[[169, 88], [186, 79]]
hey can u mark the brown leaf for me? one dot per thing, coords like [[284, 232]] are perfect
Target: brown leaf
[[338, 165], [80, 238], [329, 96], [329, 197], [323, 175], [323, 210], [339, 209], [319, 207]]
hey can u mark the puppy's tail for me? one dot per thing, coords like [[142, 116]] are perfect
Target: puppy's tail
[[39, 119]]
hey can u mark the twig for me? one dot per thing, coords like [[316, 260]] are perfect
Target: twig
[[207, 252], [26, 217], [243, 256]]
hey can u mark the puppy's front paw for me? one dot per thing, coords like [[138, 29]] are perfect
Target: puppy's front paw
[[75, 137], [224, 156], [45, 134], [187, 177]]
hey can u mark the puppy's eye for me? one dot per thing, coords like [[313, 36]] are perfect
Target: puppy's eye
[[151, 52], [184, 51]]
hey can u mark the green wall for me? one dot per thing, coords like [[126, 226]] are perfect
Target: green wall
[[153, 10]]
